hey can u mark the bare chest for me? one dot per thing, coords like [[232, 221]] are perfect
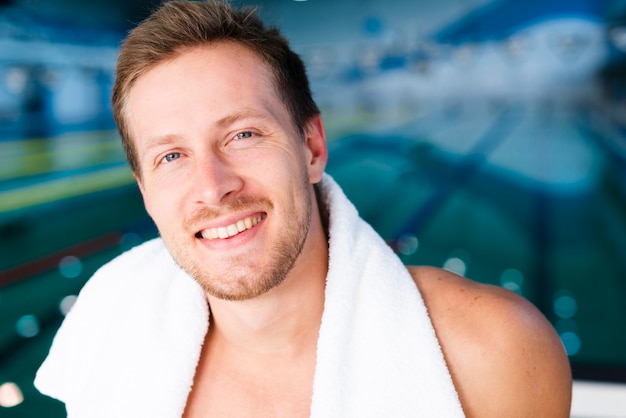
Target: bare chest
[[273, 390], [233, 401]]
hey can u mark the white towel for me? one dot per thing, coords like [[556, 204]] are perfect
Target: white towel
[[377, 353], [130, 344]]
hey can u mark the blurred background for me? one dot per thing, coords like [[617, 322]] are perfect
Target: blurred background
[[487, 137]]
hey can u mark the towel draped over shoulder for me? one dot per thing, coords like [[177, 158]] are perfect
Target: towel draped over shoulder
[[130, 345]]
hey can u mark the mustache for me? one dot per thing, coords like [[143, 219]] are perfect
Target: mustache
[[240, 203]]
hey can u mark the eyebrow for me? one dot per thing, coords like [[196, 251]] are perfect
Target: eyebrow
[[243, 114], [158, 142]]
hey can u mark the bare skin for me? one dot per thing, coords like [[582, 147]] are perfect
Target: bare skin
[[259, 356], [209, 128], [504, 357], [234, 380], [212, 129]]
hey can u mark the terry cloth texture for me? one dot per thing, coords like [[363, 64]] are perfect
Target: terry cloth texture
[[130, 345]]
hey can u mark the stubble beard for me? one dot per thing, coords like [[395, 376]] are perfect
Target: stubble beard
[[240, 282]]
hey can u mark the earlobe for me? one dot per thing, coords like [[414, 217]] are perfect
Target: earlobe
[[316, 149]]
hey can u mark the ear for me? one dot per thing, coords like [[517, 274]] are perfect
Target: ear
[[316, 150]]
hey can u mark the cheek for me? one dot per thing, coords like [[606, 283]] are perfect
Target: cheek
[[160, 203], [152, 207], [292, 169]]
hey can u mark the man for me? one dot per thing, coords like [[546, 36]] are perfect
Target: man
[[310, 313]]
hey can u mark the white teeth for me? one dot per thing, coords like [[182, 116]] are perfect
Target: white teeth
[[231, 230]]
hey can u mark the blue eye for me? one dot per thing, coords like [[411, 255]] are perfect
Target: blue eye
[[243, 135], [171, 157]]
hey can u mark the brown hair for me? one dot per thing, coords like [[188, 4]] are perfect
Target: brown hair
[[177, 25]]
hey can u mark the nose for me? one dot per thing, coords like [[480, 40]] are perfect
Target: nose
[[214, 179]]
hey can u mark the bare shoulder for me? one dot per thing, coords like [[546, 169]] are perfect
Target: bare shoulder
[[504, 356]]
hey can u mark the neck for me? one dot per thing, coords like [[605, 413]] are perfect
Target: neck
[[286, 319]]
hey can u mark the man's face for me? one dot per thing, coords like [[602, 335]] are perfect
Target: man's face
[[224, 174]]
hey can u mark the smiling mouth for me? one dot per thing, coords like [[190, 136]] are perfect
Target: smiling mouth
[[229, 231]]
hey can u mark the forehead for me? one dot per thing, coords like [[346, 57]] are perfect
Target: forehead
[[209, 81], [225, 63]]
